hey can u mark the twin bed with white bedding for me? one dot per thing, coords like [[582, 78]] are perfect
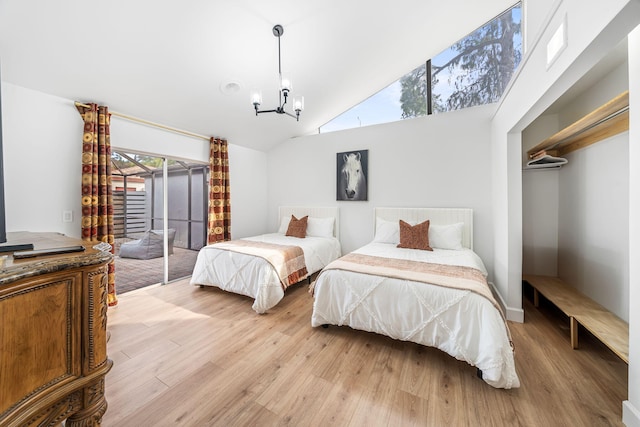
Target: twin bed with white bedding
[[438, 298], [259, 267]]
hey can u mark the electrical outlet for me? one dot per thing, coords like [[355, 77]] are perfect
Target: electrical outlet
[[67, 216]]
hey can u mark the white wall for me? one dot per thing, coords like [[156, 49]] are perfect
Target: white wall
[[535, 15], [439, 161], [39, 128], [593, 223], [539, 205], [249, 191], [42, 137], [631, 407], [609, 86]]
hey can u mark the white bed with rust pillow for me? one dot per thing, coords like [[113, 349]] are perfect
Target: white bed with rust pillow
[[440, 236]]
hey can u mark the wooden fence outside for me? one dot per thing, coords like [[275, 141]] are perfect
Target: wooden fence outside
[[129, 213]]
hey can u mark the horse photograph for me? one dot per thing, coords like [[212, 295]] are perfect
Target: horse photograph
[[351, 174]]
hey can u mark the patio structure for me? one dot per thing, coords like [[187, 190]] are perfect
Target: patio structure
[[139, 205]]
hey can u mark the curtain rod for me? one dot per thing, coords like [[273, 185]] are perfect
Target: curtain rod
[[147, 122]]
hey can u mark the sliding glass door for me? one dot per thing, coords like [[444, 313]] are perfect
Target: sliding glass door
[[160, 206], [183, 215]]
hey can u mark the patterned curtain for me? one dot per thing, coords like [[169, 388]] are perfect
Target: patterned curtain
[[219, 223], [97, 199]]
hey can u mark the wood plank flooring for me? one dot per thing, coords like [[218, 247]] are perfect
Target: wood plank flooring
[[190, 356]]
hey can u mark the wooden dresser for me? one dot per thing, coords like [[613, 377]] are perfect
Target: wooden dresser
[[53, 336]]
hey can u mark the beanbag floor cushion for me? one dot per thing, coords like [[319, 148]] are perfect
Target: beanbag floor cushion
[[148, 247]]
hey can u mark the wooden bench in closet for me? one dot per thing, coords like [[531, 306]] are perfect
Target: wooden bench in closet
[[604, 325]]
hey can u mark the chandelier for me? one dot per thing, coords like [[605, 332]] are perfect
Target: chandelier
[[285, 88]]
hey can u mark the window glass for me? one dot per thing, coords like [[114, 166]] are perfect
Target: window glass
[[477, 69], [473, 71], [382, 107]]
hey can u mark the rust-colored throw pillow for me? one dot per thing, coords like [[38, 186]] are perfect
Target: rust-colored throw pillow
[[414, 237], [297, 227]]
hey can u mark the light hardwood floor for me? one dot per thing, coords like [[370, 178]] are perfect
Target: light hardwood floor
[[201, 357]]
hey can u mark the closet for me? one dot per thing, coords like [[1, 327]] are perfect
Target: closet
[[575, 217]]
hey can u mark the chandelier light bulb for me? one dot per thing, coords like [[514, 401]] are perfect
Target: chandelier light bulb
[[285, 82], [256, 97]]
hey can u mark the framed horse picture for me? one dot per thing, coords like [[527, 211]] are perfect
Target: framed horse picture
[[351, 175]]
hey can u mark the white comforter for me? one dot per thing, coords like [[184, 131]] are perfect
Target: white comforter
[[253, 276], [462, 323]]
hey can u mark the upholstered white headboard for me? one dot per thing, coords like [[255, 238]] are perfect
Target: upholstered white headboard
[[440, 216], [314, 211]]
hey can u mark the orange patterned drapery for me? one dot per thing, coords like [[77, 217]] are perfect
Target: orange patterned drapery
[[219, 219], [97, 199]]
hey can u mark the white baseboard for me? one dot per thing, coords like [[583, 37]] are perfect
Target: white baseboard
[[511, 313], [515, 314], [630, 414]]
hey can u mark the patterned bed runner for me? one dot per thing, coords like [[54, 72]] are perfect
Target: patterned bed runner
[[450, 276], [288, 261]]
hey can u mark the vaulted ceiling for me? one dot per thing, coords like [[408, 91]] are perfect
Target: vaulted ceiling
[[191, 64]]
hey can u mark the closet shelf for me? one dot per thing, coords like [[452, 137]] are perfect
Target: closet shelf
[[608, 120]]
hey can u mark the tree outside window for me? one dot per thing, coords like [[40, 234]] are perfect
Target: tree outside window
[[474, 71]]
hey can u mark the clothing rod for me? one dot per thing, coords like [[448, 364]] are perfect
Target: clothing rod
[[591, 126], [149, 123]]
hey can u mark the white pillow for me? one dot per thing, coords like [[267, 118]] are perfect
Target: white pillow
[[320, 227], [388, 231], [446, 236], [284, 224]]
